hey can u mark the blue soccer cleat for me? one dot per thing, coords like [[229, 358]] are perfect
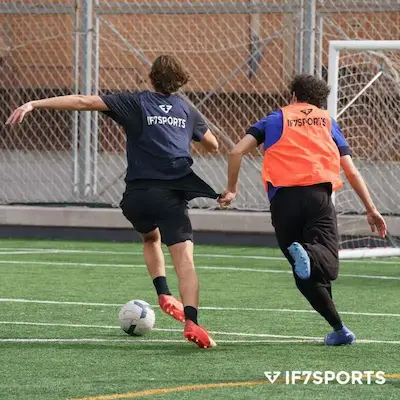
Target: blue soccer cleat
[[302, 265], [338, 338]]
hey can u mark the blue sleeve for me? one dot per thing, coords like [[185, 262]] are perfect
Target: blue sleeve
[[268, 129], [339, 139], [257, 131]]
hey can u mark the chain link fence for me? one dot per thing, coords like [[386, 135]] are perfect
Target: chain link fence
[[241, 56], [38, 59]]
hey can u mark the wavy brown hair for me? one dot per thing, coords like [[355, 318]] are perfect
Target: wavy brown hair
[[310, 89], [167, 74]]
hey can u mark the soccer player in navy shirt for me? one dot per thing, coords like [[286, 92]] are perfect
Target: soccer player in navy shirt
[[159, 128]]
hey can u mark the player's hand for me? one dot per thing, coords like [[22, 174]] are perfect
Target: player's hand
[[19, 114], [226, 198], [377, 223]]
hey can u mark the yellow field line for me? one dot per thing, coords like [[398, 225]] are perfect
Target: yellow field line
[[153, 392]]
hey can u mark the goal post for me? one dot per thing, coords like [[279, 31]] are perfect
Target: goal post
[[364, 76], [335, 47]]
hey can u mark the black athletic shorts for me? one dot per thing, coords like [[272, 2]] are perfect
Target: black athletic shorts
[[163, 204], [148, 209], [306, 214]]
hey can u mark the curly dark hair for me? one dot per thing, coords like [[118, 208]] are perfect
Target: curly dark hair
[[310, 89], [167, 74]]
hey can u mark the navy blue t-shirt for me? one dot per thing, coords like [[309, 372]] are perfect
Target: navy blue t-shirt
[[269, 130], [159, 129]]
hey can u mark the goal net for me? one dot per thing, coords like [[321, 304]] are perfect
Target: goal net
[[365, 81]]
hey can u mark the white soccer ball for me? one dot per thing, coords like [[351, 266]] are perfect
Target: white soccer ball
[[136, 318]]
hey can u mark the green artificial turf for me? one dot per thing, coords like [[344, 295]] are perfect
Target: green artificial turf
[[261, 323]]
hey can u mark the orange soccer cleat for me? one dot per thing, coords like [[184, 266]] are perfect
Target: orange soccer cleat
[[198, 335], [171, 306]]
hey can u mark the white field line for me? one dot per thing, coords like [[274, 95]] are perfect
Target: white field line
[[72, 303], [286, 310], [241, 334], [14, 250], [128, 253], [6, 253], [174, 330], [139, 253], [75, 264], [273, 310], [130, 341], [206, 267]]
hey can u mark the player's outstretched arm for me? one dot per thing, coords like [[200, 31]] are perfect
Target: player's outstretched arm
[[209, 142], [357, 182], [72, 102], [247, 144]]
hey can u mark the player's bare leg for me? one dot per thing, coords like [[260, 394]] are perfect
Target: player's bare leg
[[155, 262], [153, 255], [182, 257]]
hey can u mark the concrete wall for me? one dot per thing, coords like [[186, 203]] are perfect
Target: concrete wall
[[202, 220], [48, 177]]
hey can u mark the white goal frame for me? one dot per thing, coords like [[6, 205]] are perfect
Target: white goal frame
[[335, 47]]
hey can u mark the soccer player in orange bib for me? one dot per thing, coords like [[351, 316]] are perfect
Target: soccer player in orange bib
[[304, 149]]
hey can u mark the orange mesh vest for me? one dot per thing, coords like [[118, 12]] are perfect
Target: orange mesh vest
[[306, 153]]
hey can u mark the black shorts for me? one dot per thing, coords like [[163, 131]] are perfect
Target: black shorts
[[151, 208], [306, 215]]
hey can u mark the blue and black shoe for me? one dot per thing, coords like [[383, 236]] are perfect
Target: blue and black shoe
[[338, 338], [302, 265]]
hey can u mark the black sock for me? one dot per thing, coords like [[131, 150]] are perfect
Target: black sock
[[191, 314], [320, 299], [338, 327], [160, 283]]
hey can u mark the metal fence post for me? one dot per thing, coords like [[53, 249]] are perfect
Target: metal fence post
[[85, 162], [299, 39], [75, 116], [95, 114], [319, 45], [309, 36]]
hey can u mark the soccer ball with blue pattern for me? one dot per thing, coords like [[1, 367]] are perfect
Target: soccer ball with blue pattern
[[136, 318]]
